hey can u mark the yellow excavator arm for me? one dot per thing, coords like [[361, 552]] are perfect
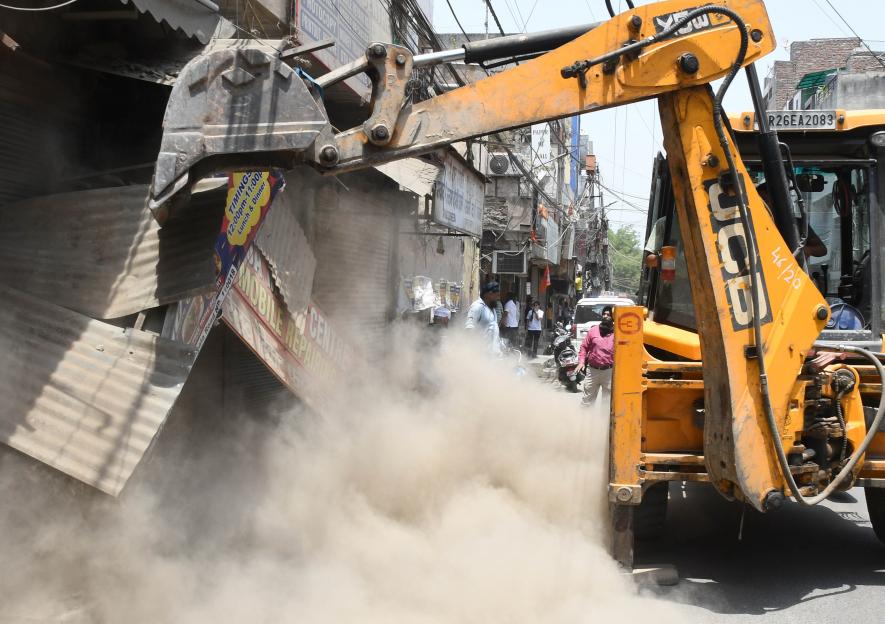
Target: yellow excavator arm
[[758, 313]]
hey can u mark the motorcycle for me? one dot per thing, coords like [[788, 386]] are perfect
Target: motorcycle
[[514, 356], [566, 359]]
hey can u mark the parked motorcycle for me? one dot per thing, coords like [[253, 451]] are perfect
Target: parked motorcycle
[[566, 358]]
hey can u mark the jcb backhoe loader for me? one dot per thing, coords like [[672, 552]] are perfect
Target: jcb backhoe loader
[[746, 398]]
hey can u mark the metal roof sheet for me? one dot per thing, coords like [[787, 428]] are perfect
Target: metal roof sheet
[[81, 395], [285, 246], [414, 174], [815, 79], [100, 252], [191, 17]]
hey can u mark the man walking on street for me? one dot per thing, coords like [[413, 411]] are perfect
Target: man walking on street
[[596, 358], [482, 318], [533, 327], [511, 319]]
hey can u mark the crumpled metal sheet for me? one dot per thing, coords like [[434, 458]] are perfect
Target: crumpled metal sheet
[[288, 252], [189, 16], [80, 395], [414, 174], [101, 253]]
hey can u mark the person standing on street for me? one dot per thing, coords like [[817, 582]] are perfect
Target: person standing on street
[[596, 358], [533, 327], [482, 318], [511, 319], [565, 312]]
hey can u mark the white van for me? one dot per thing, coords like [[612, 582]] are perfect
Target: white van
[[588, 313]]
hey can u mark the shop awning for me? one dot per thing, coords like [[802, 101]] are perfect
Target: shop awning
[[192, 17], [412, 174], [816, 79]]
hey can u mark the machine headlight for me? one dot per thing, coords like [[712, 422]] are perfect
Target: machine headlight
[[878, 138]]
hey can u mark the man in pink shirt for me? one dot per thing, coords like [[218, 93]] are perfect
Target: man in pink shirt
[[596, 358]]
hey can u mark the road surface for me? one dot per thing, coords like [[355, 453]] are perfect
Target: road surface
[[819, 565]]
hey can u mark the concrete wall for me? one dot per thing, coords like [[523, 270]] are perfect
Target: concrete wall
[[805, 56], [856, 91]]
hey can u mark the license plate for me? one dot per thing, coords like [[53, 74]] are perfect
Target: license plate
[[802, 120]]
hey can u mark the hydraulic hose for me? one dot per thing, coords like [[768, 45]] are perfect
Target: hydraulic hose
[[611, 10], [719, 119], [752, 253]]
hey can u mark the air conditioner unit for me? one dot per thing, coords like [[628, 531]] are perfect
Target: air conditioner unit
[[509, 262], [499, 165]]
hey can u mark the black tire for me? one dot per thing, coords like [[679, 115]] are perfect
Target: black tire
[[876, 508], [650, 516]]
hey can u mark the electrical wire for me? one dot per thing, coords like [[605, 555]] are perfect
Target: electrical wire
[[875, 56], [49, 8]]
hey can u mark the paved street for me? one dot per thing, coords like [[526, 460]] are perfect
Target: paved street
[[817, 565]]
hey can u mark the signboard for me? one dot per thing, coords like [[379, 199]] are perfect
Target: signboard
[[554, 243], [301, 349], [353, 24], [545, 161], [249, 195], [574, 163], [458, 197]]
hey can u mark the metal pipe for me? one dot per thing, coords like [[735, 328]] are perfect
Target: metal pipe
[[875, 253], [442, 56], [773, 166], [209, 5], [522, 44], [343, 73]]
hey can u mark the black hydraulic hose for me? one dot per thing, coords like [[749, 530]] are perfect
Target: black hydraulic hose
[[630, 4], [579, 67], [871, 432], [608, 5], [752, 252], [719, 119], [800, 202], [837, 402]]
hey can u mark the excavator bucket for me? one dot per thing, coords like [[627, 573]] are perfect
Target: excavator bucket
[[234, 107]]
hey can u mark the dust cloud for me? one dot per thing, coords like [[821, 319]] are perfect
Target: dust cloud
[[434, 488]]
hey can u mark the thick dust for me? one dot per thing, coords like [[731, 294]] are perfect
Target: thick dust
[[438, 487]]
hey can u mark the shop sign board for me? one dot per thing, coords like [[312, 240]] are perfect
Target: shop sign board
[[458, 197], [352, 24], [300, 348], [249, 197]]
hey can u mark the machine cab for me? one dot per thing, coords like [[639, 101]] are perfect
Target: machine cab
[[834, 158]]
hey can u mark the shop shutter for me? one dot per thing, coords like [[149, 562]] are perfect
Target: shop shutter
[[35, 125], [248, 383], [354, 243]]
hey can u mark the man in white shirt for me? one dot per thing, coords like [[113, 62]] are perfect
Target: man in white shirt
[[482, 318], [533, 326], [511, 319]]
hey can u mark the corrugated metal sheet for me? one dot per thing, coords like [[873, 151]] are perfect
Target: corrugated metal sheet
[[284, 245], [189, 16], [35, 125], [80, 395], [354, 240], [100, 252]]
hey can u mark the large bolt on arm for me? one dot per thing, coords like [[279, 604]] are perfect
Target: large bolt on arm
[[241, 107]]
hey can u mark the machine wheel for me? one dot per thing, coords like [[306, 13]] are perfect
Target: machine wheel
[[876, 507], [650, 515]]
